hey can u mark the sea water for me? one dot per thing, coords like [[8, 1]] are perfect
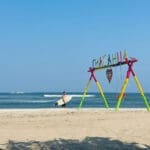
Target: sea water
[[48, 99]]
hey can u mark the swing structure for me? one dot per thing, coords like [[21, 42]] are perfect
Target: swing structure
[[105, 62]]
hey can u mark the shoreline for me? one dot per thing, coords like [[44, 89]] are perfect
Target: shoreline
[[70, 109]]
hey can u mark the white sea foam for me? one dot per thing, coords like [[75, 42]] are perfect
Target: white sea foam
[[49, 95], [26, 101], [16, 92], [82, 95], [73, 95]]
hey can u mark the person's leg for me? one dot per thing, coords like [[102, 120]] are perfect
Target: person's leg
[[64, 105]]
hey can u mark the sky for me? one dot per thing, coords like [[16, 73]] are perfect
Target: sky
[[49, 45]]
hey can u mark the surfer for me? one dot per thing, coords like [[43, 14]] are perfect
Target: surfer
[[63, 98]]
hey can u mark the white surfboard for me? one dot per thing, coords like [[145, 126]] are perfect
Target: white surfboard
[[60, 102]]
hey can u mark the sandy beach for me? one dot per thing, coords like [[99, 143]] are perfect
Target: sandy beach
[[74, 129]]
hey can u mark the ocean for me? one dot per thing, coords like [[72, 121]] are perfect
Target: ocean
[[48, 99]]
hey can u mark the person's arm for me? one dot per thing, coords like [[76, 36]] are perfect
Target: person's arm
[[63, 98]]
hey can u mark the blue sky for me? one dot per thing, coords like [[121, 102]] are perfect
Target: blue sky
[[49, 45]]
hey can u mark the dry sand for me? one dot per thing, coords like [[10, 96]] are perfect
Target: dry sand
[[75, 129]]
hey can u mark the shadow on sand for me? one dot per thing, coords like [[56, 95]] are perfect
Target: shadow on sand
[[89, 143]]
